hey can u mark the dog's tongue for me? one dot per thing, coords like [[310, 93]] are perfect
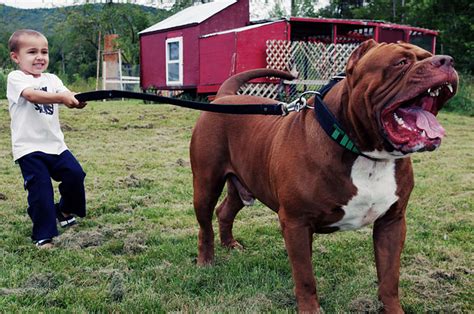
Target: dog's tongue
[[424, 120]]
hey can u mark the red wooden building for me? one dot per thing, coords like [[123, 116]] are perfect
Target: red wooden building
[[201, 46]]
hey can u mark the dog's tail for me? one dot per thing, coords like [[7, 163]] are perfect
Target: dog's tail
[[233, 83]]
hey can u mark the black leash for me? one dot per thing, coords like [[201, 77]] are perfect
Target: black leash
[[266, 109], [327, 120]]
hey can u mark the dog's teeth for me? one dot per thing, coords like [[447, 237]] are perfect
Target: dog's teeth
[[450, 87], [398, 119], [423, 133], [434, 92]]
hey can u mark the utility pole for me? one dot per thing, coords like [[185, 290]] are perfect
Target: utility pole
[[403, 10], [98, 62], [394, 9], [293, 8]]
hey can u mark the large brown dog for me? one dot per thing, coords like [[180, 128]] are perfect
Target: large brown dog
[[387, 105]]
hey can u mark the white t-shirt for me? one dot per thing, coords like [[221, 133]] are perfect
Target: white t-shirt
[[34, 127]]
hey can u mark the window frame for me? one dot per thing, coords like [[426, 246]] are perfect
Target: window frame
[[179, 40]]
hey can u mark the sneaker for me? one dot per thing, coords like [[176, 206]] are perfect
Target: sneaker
[[44, 244], [65, 220]]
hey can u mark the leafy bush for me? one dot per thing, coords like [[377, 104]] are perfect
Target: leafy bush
[[79, 84], [3, 84]]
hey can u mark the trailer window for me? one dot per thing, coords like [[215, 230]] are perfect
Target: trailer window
[[174, 61]]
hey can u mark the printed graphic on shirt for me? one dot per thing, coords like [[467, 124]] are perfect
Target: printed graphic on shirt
[[45, 108]]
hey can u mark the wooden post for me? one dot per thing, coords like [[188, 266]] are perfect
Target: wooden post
[[98, 63], [120, 68]]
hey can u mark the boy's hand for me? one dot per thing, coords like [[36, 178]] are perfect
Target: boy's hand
[[70, 101], [81, 105], [41, 97]]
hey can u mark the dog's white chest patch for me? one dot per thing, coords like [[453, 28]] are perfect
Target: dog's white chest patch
[[376, 188]]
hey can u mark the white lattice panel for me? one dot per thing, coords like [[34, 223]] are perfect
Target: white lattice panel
[[260, 89], [314, 62]]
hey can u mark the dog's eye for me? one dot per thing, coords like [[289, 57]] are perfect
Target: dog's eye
[[401, 62]]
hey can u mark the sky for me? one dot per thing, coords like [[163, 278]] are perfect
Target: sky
[[34, 4]]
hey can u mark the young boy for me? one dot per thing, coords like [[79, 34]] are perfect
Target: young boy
[[37, 141]]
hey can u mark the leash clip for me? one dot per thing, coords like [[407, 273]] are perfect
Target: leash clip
[[296, 105], [299, 104]]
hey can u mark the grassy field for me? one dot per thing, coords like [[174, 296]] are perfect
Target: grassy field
[[136, 250]]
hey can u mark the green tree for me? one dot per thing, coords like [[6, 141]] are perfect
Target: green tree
[[278, 11], [180, 5], [386, 10], [75, 41], [454, 20], [303, 8], [341, 8]]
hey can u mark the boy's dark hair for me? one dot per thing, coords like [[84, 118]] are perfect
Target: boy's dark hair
[[14, 41]]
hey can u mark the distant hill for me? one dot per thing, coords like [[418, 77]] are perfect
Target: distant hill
[[42, 20]]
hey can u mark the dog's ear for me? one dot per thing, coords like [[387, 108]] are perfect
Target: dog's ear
[[358, 53]]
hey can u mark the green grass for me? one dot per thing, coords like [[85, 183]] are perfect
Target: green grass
[[136, 250]]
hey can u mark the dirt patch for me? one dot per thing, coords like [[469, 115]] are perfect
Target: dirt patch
[[420, 260], [365, 305], [429, 282], [132, 181], [80, 240], [441, 275], [116, 287], [321, 249], [66, 127], [432, 286], [137, 126], [117, 232], [464, 270], [182, 163], [13, 291], [125, 207], [134, 243], [141, 200], [46, 281], [3, 197]]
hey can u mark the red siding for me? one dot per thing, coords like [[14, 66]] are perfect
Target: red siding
[[153, 58], [252, 45], [226, 54], [392, 35], [234, 16], [152, 46], [217, 59], [152, 73], [191, 57], [208, 61]]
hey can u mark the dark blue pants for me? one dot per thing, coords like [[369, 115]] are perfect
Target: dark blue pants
[[38, 169]]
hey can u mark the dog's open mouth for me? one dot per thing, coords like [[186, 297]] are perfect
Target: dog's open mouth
[[410, 125]]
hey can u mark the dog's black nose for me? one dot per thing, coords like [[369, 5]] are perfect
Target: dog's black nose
[[442, 60]]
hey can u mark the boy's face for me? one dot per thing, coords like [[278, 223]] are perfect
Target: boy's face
[[32, 57]]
